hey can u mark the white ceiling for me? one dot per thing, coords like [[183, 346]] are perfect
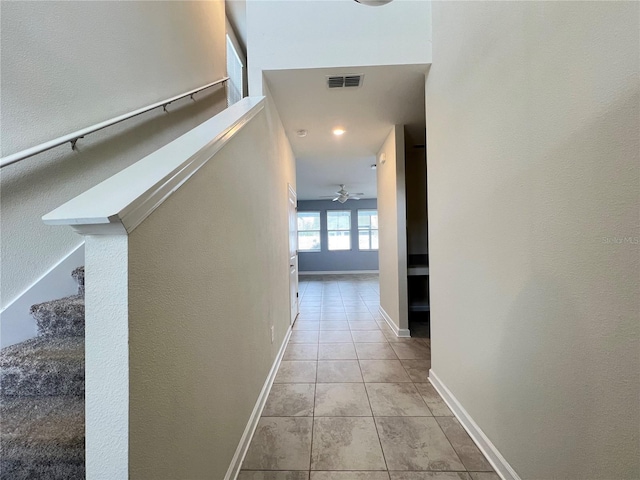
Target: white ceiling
[[389, 95]]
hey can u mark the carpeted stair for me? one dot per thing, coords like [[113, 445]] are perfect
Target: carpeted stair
[[42, 395]]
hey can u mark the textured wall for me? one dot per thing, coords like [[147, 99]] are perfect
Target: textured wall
[[67, 65], [208, 277], [325, 260], [533, 113], [393, 233]]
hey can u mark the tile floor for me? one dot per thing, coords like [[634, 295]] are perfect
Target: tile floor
[[351, 401]]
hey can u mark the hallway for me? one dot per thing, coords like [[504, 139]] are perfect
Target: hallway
[[351, 401]]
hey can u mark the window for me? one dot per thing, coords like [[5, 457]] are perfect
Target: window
[[234, 72], [368, 229], [339, 229], [309, 231]]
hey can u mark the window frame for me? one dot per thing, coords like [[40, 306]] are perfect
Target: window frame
[[235, 84], [319, 230], [368, 229], [349, 211]]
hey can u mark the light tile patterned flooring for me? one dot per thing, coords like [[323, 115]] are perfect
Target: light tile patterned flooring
[[351, 401]]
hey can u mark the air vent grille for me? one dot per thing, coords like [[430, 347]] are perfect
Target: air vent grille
[[335, 82], [344, 81], [352, 81]]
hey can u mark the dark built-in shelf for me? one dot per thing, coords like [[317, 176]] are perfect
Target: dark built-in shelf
[[418, 273], [419, 307]]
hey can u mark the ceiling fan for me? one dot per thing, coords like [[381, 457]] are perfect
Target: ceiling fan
[[343, 195]]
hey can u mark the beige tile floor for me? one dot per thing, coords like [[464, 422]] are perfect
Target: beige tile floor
[[351, 401]]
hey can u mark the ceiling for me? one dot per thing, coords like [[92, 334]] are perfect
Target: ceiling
[[389, 95]]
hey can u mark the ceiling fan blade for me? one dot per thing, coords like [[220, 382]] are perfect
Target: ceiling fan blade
[[354, 198], [335, 199], [359, 194]]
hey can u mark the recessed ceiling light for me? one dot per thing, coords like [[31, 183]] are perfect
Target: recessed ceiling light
[[301, 133], [339, 131]]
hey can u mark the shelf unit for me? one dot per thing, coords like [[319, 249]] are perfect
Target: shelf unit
[[418, 283]]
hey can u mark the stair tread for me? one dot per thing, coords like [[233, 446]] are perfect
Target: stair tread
[[42, 429], [58, 305], [44, 352], [61, 317], [78, 276], [43, 366]]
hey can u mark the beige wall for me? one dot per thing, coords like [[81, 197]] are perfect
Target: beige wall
[[533, 146], [68, 65], [392, 252], [208, 277]]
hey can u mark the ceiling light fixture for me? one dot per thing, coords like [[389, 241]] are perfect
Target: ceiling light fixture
[[301, 133], [373, 3], [339, 131]]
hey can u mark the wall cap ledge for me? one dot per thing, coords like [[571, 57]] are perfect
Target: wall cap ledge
[[122, 202]]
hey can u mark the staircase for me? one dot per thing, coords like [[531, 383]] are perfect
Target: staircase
[[42, 395]]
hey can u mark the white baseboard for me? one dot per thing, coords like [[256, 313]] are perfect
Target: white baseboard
[[400, 332], [16, 323], [489, 450], [245, 440], [338, 272]]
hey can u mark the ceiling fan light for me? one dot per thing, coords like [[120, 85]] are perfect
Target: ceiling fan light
[[343, 199]]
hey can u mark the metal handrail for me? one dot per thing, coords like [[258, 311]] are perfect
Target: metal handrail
[[72, 138]]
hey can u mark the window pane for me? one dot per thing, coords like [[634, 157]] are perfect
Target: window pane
[[308, 221], [374, 239], [309, 241], [363, 240], [367, 217], [339, 220], [340, 240]]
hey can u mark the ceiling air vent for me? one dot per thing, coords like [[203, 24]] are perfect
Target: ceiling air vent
[[343, 81], [335, 82], [352, 81]]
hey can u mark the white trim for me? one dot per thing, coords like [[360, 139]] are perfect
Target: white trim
[[498, 462], [119, 204], [16, 323], [333, 272], [245, 440], [400, 332]]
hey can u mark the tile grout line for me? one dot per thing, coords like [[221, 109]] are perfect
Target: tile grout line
[[373, 418], [432, 415]]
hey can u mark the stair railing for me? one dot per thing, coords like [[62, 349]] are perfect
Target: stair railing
[[72, 138]]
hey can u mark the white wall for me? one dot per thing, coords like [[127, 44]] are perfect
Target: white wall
[[334, 33], [392, 233], [533, 123], [67, 65]]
